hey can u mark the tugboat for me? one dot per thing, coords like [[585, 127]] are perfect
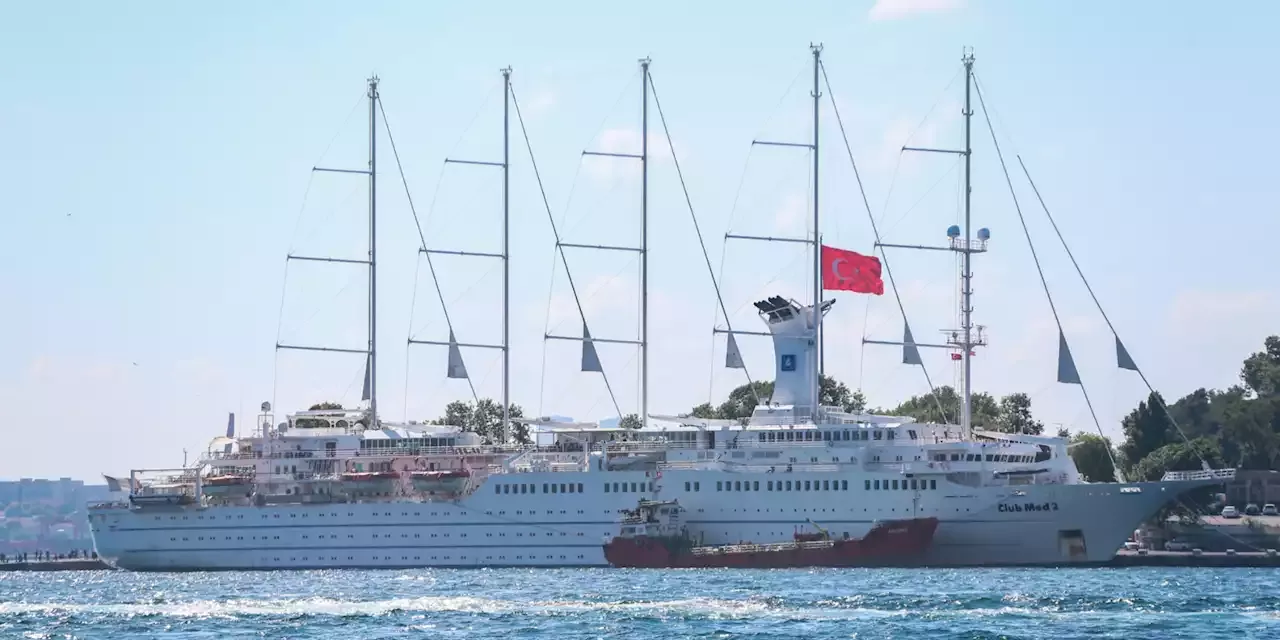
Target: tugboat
[[652, 536]]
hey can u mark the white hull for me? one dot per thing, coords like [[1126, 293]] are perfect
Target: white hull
[[978, 526]]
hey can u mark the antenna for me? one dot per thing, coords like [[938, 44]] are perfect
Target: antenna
[[457, 369], [590, 360], [371, 358]]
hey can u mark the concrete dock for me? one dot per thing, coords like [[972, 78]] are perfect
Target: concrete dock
[[1240, 559]]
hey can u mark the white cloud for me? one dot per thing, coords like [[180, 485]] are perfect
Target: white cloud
[[897, 9]]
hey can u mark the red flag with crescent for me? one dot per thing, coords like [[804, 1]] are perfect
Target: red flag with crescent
[[850, 271]]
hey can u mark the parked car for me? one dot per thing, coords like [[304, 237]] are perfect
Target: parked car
[[1178, 544], [1269, 510], [1230, 512], [1252, 509]]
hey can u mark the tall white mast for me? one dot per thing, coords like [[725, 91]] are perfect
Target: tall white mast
[[644, 241], [370, 351], [590, 358], [817, 242], [372, 371], [455, 354]]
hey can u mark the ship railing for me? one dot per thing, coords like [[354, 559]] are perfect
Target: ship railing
[[733, 466], [762, 548], [1209, 474]]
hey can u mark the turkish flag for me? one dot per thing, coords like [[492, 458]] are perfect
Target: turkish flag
[[850, 271]]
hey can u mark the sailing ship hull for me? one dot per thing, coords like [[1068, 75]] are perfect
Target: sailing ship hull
[[988, 526], [887, 544]]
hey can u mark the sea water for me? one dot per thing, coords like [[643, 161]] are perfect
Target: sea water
[[640, 604]]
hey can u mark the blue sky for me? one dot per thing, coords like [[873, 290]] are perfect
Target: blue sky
[[155, 169]]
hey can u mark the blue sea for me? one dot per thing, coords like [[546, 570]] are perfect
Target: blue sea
[[637, 605]]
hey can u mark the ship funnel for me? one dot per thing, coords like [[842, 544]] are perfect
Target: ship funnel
[[794, 348]]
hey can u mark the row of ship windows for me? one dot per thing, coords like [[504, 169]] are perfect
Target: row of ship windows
[[351, 536], [829, 436], [913, 484], [547, 487], [977, 457]]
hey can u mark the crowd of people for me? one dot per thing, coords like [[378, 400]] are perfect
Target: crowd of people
[[48, 556]]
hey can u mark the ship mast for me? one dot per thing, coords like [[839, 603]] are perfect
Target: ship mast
[[817, 242], [590, 358], [370, 392], [815, 390], [456, 367], [969, 335]]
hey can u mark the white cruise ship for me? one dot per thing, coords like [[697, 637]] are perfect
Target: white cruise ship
[[329, 489], [323, 491]]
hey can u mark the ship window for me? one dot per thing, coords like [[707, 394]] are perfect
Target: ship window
[[895, 485], [579, 487], [687, 487], [545, 489], [826, 485], [844, 485], [524, 488], [497, 488], [651, 486], [845, 435], [879, 435], [696, 486], [826, 435], [933, 485], [913, 484], [718, 485], [891, 434], [955, 457], [990, 458], [866, 485], [806, 485], [737, 485], [606, 487], [788, 485], [553, 488], [769, 485], [755, 485]]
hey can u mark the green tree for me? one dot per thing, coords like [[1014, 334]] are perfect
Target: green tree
[[1092, 455], [1261, 371], [1064, 432], [1146, 429], [1179, 456], [925, 408], [483, 418], [833, 393], [630, 421], [326, 406], [742, 402], [1015, 416], [704, 410]]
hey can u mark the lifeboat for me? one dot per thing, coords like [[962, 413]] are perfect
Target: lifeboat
[[370, 481], [225, 484], [653, 537], [453, 481]]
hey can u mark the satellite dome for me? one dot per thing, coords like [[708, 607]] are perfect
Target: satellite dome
[[984, 234], [953, 231]]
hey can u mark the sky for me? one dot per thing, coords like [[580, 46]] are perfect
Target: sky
[[156, 168]]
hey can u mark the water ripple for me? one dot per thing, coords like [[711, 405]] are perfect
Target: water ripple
[[638, 605]]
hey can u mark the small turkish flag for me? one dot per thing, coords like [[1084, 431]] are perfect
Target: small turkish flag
[[850, 271]]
